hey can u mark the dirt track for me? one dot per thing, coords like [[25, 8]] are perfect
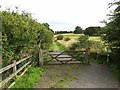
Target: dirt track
[[77, 76]]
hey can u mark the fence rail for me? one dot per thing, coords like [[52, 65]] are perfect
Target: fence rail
[[15, 71]]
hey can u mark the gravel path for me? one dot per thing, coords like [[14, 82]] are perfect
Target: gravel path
[[77, 76]]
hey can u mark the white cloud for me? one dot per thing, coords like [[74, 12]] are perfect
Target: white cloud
[[64, 14]]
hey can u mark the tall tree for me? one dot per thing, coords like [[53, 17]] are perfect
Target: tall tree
[[92, 31], [47, 26], [78, 30], [112, 31]]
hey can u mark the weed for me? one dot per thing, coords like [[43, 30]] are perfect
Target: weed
[[30, 78]]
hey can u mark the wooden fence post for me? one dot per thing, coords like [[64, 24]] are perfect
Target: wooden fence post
[[97, 56], [107, 57], [88, 50], [86, 55], [40, 55], [14, 68]]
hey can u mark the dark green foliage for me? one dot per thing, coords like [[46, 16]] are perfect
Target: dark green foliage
[[92, 31], [59, 37], [20, 33], [47, 26], [78, 30], [73, 46], [66, 38], [112, 38], [63, 32], [112, 32], [83, 42], [116, 70], [102, 57]]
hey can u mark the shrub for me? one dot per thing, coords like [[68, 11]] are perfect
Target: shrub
[[67, 39], [59, 37], [73, 46]]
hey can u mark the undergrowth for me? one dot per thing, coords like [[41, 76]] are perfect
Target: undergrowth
[[51, 46], [116, 71], [60, 46], [30, 78]]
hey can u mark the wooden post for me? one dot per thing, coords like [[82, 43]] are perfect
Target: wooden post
[[14, 68], [97, 56], [86, 55], [107, 57], [40, 55]]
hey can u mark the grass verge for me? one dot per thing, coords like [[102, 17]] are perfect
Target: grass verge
[[30, 78], [51, 47], [116, 71], [60, 46]]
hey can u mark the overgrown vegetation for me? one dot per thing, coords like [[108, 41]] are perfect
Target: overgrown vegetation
[[60, 37], [21, 33], [60, 46], [30, 78], [84, 42], [66, 38], [51, 47], [112, 36]]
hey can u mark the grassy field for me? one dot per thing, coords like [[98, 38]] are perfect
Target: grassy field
[[74, 37], [70, 35]]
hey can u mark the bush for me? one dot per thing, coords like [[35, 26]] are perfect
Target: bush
[[73, 46], [102, 57], [67, 39], [59, 37]]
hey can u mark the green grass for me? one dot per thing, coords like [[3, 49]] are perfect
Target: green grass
[[76, 36], [95, 38], [60, 46], [30, 78], [71, 35], [116, 71], [51, 46]]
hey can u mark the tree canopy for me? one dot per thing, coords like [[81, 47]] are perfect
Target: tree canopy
[[78, 30], [112, 31], [20, 33], [92, 31]]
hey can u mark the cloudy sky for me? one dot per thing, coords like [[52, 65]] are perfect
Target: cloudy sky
[[63, 14]]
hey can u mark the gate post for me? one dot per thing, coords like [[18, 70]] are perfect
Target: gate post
[[40, 55], [87, 55], [14, 68]]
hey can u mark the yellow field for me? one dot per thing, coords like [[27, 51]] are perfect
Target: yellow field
[[74, 37]]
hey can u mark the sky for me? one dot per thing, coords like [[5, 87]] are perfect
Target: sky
[[63, 15]]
